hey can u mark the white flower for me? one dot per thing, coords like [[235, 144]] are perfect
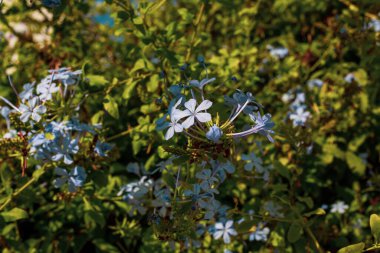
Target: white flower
[[175, 116], [34, 109], [349, 78], [300, 116], [339, 207], [194, 112], [261, 233], [224, 230]]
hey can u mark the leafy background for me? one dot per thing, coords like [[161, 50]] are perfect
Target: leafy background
[[132, 51]]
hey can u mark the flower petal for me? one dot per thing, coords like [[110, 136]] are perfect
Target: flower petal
[[203, 117], [218, 234], [169, 134], [204, 105], [188, 122], [190, 105]]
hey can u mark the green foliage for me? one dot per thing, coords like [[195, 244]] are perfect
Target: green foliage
[[128, 67]]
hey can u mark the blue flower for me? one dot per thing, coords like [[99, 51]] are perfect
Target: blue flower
[[101, 148], [63, 147], [315, 83], [197, 196], [208, 180], [57, 128], [214, 133], [278, 52], [33, 109], [4, 111], [260, 234], [225, 230], [27, 93], [300, 116], [254, 161], [46, 88], [74, 179], [201, 84]]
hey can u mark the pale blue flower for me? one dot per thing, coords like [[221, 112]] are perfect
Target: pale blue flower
[[74, 179], [27, 92], [197, 196], [214, 208], [208, 180], [349, 78], [174, 125], [220, 169], [63, 147], [224, 230], [201, 84], [339, 207], [214, 133], [374, 24], [4, 111], [315, 83], [65, 75], [33, 110], [300, 116], [260, 234], [101, 148], [273, 209], [57, 128], [136, 190], [46, 89], [193, 112], [253, 161], [278, 52]]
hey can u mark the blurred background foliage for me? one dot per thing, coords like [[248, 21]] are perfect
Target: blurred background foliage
[[132, 51]]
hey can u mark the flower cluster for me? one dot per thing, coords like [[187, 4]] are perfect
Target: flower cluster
[[51, 134], [184, 198], [298, 113]]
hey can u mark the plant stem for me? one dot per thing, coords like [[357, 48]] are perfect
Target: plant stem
[[16, 193], [315, 241], [126, 132], [197, 21]]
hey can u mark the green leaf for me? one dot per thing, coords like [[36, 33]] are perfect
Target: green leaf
[[111, 107], [94, 217], [14, 214], [104, 246], [374, 222], [355, 163], [318, 211], [355, 248], [97, 80], [169, 180], [294, 233]]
